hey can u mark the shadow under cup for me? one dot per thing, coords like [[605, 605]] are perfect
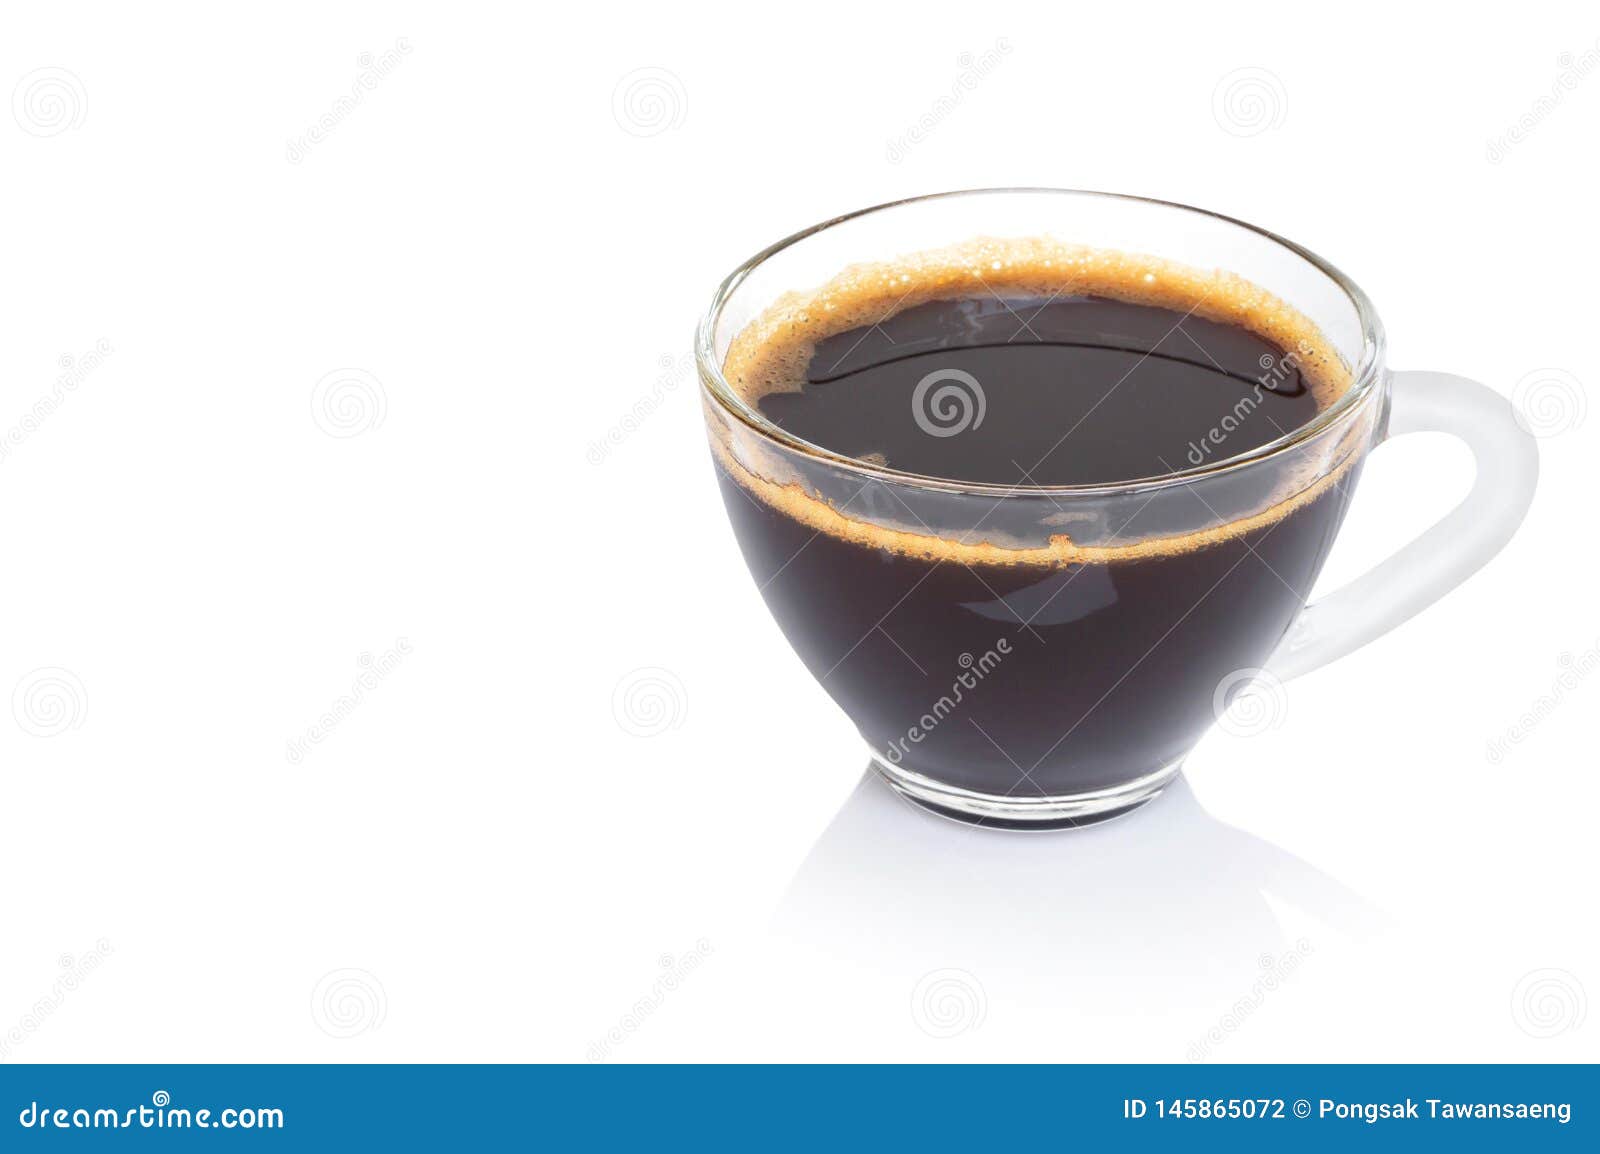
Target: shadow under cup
[[1026, 656]]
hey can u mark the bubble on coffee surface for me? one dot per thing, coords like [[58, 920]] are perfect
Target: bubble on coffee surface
[[772, 354]]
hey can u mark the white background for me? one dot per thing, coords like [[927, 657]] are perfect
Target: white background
[[509, 236]]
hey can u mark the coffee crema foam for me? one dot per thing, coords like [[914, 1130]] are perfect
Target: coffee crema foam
[[773, 351]]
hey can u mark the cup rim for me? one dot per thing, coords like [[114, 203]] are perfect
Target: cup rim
[[1366, 373]]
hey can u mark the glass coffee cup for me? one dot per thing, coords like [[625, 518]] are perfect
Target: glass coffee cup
[[1043, 655]]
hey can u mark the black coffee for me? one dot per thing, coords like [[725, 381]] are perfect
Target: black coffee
[[961, 653], [1073, 391]]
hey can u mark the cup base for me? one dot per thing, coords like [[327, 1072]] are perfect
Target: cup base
[[1002, 811]]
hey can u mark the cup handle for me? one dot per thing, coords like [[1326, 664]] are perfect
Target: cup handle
[[1446, 554]]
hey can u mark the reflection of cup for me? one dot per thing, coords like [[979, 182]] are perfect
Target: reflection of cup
[[1101, 925], [1037, 656]]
